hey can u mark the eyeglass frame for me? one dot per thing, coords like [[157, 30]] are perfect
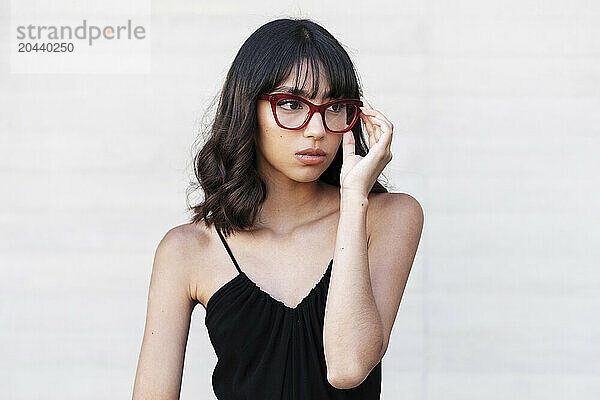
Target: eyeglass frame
[[313, 108]]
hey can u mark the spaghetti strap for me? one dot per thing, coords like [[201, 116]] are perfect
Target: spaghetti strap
[[229, 251]]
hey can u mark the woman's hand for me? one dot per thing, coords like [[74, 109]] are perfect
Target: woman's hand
[[358, 174]]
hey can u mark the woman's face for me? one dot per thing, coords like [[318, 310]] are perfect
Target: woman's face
[[277, 147]]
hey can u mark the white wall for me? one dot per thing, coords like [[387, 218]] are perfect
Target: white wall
[[495, 105]]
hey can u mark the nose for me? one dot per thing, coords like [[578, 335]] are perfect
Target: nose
[[315, 127]]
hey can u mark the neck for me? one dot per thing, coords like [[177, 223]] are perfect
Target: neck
[[291, 204]]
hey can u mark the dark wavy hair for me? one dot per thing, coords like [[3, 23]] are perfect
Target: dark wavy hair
[[224, 166]]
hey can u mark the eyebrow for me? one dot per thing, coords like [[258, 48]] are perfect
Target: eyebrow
[[299, 92]]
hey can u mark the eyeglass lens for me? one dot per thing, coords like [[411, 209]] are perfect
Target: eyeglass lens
[[292, 113]]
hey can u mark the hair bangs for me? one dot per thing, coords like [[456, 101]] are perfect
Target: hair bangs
[[307, 62]]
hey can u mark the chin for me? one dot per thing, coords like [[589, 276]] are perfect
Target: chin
[[306, 177]]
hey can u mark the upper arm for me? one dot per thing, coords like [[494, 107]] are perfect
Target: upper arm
[[395, 236], [169, 309]]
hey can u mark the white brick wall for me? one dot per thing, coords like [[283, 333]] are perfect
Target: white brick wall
[[496, 108]]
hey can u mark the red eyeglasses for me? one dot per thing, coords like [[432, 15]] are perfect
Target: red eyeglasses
[[294, 112]]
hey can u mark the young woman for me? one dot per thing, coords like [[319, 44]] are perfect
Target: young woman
[[299, 255]]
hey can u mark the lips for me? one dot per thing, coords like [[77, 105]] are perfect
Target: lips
[[310, 159], [311, 151]]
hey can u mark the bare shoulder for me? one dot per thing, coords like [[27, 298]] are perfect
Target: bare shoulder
[[402, 203], [387, 209], [180, 254], [185, 239]]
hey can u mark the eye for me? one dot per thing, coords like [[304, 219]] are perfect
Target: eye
[[339, 107], [289, 104]]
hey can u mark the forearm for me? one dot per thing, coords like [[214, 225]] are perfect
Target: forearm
[[353, 332]]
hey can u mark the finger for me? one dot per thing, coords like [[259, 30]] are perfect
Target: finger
[[376, 121], [382, 126], [379, 115], [386, 138], [367, 122], [372, 138], [377, 124], [369, 109], [348, 145], [383, 132], [376, 152], [370, 129], [378, 132]]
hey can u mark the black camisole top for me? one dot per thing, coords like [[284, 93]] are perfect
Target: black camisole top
[[268, 350]]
